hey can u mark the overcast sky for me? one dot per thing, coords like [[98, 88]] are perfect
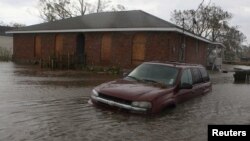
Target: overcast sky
[[25, 11]]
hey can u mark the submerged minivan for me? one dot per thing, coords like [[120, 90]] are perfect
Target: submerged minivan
[[153, 86]]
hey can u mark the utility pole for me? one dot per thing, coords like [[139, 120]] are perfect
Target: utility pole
[[182, 51]]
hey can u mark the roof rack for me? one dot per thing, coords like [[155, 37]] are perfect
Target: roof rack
[[176, 63]]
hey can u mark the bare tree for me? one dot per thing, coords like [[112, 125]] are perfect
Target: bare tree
[[102, 5], [233, 39], [12, 24], [118, 7], [206, 21], [211, 21], [83, 6], [51, 10], [246, 51], [16, 25]]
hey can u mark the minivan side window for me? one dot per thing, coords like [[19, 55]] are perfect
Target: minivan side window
[[204, 75], [197, 78], [186, 77]]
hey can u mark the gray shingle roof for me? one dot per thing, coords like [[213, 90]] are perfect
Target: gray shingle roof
[[105, 20], [135, 20]]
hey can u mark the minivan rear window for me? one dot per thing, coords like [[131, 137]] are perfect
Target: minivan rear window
[[197, 78], [204, 74]]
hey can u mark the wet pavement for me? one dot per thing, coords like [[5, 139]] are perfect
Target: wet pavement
[[53, 105]]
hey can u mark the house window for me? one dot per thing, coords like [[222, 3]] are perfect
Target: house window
[[106, 47], [38, 45], [138, 49]]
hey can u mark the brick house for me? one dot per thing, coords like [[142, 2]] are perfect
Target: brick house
[[122, 39]]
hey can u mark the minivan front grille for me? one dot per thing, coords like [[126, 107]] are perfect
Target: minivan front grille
[[115, 99]]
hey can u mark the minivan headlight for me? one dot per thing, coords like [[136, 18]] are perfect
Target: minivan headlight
[[95, 93], [142, 104]]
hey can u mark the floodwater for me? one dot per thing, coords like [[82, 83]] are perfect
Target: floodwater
[[53, 105]]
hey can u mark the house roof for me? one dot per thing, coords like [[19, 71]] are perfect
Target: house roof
[[104, 20], [135, 20], [3, 29]]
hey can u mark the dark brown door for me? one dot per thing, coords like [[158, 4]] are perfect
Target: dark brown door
[[106, 48], [138, 49]]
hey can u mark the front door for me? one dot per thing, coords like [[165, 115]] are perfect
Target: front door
[[185, 94], [80, 43], [106, 48], [138, 48]]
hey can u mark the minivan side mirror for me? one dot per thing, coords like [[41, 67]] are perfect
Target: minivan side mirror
[[125, 74], [186, 86]]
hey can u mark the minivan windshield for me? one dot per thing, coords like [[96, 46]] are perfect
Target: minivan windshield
[[155, 73]]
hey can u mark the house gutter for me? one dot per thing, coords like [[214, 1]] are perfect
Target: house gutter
[[118, 30]]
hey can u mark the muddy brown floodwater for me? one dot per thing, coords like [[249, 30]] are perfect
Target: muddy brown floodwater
[[46, 105]]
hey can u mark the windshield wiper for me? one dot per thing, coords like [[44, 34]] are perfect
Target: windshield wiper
[[156, 82], [149, 80]]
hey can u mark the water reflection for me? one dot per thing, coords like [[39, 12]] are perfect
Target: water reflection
[[37, 105]]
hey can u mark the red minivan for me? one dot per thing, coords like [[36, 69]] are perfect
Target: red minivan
[[154, 86]]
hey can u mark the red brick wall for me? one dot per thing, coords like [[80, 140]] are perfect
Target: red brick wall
[[190, 50], [203, 53], [93, 42], [122, 49], [49, 41], [23, 47], [47, 45], [69, 43], [160, 46], [196, 51], [163, 46]]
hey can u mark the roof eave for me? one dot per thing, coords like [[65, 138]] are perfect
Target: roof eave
[[217, 43], [92, 30]]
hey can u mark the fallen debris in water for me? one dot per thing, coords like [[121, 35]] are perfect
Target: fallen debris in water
[[240, 75]]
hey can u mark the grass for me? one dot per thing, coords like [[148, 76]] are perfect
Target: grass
[[5, 54]]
